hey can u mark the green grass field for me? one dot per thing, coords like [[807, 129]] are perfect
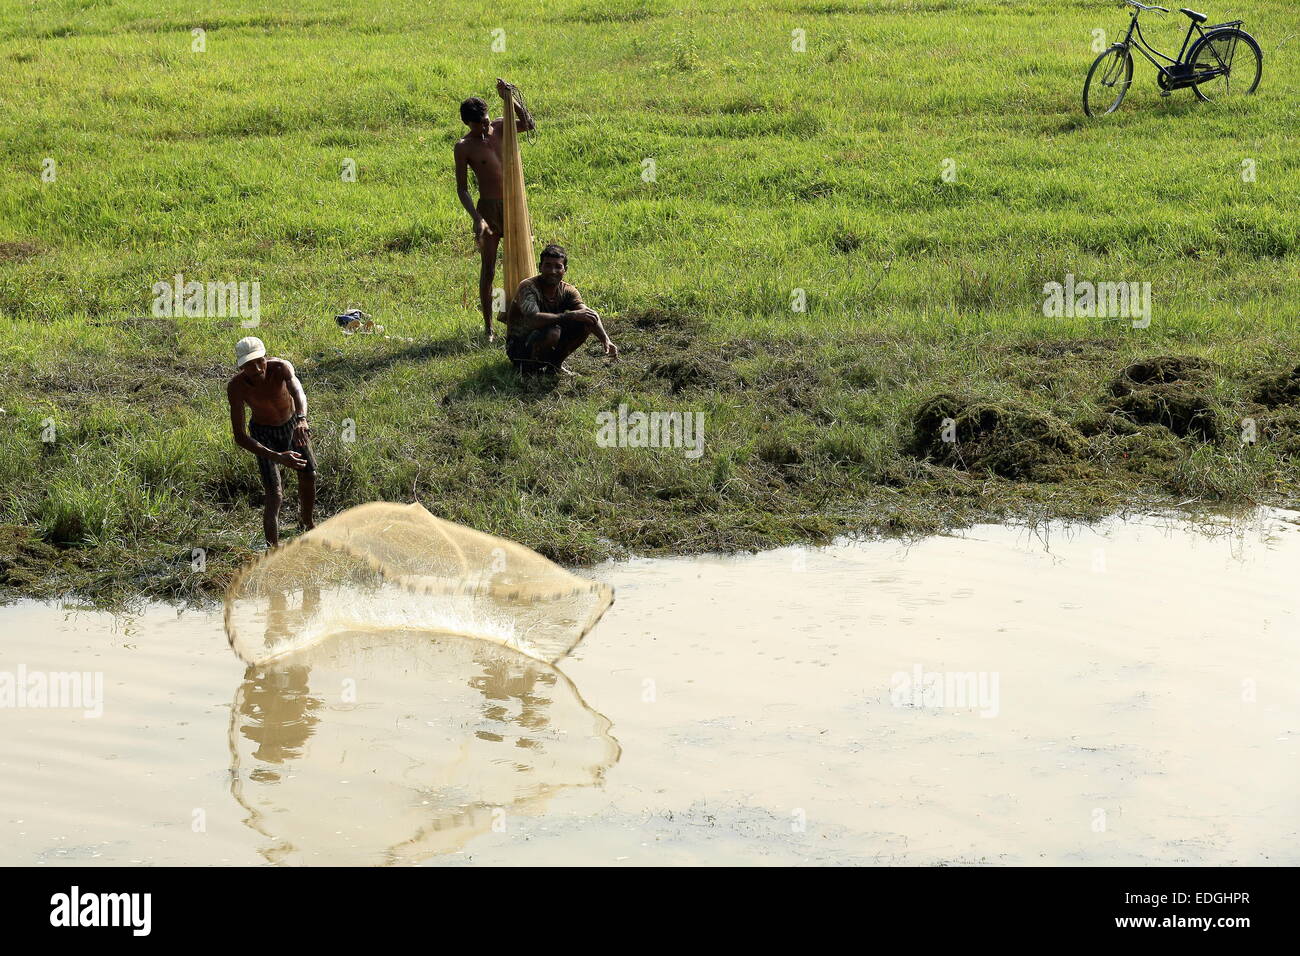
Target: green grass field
[[775, 170]]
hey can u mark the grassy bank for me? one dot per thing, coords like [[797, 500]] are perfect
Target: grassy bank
[[775, 170]]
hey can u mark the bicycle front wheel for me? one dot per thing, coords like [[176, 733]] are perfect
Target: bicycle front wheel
[[1232, 61], [1108, 81]]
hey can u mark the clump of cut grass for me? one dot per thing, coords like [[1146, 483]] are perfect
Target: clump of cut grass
[[1168, 391], [999, 437]]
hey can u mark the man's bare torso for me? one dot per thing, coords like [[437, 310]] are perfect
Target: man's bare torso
[[269, 400], [484, 157]]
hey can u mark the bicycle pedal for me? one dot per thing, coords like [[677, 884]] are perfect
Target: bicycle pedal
[[1166, 93]]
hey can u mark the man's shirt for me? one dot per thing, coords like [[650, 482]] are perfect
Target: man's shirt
[[531, 298]]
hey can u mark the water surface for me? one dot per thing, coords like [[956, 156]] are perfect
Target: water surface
[[1140, 705]]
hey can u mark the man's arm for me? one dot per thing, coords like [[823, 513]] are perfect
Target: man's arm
[[597, 327], [579, 311], [527, 320], [526, 314], [523, 119], [240, 432], [529, 316], [462, 191], [592, 320], [582, 312], [294, 385]]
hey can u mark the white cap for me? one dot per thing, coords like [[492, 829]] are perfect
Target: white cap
[[247, 349]]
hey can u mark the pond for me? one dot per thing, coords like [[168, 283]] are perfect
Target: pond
[[1125, 693]]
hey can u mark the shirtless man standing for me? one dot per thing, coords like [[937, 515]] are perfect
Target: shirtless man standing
[[480, 150], [278, 433]]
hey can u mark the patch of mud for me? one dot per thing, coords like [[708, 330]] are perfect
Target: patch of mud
[[691, 371], [1278, 425], [1149, 450], [790, 381], [1066, 348], [1162, 370], [1152, 413], [20, 250], [656, 317], [1184, 412], [663, 351]]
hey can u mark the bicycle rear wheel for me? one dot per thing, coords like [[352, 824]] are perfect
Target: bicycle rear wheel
[[1108, 81], [1233, 60]]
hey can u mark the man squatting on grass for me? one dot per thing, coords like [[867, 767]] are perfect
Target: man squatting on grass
[[480, 150], [278, 433], [547, 319]]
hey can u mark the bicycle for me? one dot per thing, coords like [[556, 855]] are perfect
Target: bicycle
[[1213, 67]]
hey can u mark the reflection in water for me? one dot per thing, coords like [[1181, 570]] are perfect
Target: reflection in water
[[394, 746], [281, 713]]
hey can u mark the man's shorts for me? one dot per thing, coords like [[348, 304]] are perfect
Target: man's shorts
[[493, 211], [278, 438], [519, 348]]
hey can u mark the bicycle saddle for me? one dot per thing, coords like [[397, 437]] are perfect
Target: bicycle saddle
[[1196, 17]]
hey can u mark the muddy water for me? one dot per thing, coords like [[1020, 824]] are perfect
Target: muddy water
[[1123, 694]]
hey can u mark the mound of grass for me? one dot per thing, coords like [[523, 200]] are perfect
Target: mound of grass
[[996, 436], [1161, 370], [1168, 391], [1278, 389], [25, 557]]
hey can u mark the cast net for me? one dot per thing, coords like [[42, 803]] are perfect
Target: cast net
[[384, 565]]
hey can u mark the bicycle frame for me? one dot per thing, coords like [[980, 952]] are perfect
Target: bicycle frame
[[1146, 48]]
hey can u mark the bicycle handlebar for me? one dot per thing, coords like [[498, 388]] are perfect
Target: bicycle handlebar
[[1143, 6]]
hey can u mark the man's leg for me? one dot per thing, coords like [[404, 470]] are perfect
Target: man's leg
[[271, 516], [271, 494], [568, 336], [307, 499], [487, 273], [519, 351], [543, 344], [306, 485]]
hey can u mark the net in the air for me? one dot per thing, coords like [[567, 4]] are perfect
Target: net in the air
[[383, 565]]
